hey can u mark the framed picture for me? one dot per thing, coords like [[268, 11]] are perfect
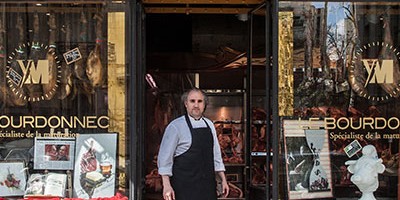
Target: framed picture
[[308, 167], [12, 178], [54, 153], [95, 163]]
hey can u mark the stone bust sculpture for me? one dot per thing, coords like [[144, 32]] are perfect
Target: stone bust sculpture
[[365, 172]]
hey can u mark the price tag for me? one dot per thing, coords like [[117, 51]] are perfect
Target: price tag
[[352, 148], [72, 56], [14, 76]]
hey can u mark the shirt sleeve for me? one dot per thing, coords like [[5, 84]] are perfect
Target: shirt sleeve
[[218, 163], [167, 150]]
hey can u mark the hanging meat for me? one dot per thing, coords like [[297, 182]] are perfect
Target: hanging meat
[[236, 146], [234, 191], [358, 77], [163, 112], [231, 143], [16, 97], [3, 86], [79, 69], [35, 91], [79, 66], [66, 83], [49, 89], [388, 54], [153, 180], [258, 172], [94, 67]]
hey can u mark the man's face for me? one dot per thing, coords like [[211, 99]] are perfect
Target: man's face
[[63, 150], [195, 104]]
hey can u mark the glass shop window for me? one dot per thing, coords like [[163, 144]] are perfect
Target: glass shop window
[[62, 131], [340, 70], [339, 88]]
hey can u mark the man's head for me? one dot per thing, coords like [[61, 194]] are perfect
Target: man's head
[[195, 102], [62, 150]]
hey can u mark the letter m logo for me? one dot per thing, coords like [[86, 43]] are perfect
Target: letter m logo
[[34, 74], [378, 73]]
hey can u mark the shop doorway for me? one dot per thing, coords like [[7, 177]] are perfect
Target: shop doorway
[[209, 47]]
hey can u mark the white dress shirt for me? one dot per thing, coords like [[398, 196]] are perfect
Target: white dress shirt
[[177, 140]]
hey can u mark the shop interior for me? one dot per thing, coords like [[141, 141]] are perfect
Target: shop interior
[[209, 51]]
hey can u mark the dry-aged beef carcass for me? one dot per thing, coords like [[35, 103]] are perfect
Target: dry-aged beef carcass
[[94, 67], [389, 54], [234, 191], [223, 141], [79, 69], [390, 160], [258, 174], [231, 144], [16, 97], [362, 76], [3, 85], [154, 181], [259, 114], [49, 89], [35, 91], [258, 134], [322, 111], [79, 65], [67, 86], [163, 112], [258, 139]]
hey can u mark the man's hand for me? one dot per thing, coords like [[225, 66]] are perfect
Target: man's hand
[[168, 191], [225, 186]]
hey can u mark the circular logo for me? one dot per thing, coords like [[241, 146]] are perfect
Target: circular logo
[[33, 72], [372, 72]]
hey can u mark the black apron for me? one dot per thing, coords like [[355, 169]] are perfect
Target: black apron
[[193, 171]]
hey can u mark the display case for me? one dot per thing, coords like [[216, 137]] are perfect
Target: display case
[[226, 110], [260, 151]]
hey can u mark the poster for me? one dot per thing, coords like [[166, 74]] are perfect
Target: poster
[[95, 162], [54, 153], [12, 178], [308, 167]]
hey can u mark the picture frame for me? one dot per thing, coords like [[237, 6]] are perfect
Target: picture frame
[[12, 178], [95, 163], [54, 153], [308, 166]]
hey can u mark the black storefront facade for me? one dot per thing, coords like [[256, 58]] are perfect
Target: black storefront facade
[[301, 93]]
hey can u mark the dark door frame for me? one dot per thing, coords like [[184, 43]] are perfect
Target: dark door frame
[[136, 90]]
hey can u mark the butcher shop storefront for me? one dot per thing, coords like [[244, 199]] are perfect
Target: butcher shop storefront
[[304, 95]]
